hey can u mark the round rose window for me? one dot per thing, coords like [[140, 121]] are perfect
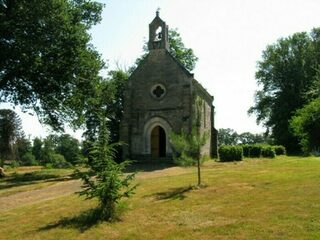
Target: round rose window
[[158, 91]]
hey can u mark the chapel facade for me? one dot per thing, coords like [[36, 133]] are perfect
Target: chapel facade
[[159, 98]]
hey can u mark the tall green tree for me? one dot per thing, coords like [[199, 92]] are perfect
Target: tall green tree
[[286, 74], [306, 126], [10, 132], [47, 61]]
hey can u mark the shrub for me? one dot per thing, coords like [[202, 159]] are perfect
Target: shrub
[[58, 161], [230, 153], [14, 164], [279, 150], [246, 150], [28, 159], [268, 152], [255, 151]]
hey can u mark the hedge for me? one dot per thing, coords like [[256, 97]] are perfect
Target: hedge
[[279, 150], [230, 153], [268, 152]]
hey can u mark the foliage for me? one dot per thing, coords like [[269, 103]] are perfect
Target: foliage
[[306, 126], [117, 80], [288, 73], [246, 150], [47, 150], [10, 132], [37, 148], [230, 153], [279, 150], [21, 147], [227, 136], [268, 152], [183, 55], [28, 159], [105, 179], [187, 146], [255, 151], [251, 138], [47, 62], [69, 147], [58, 161], [14, 164]]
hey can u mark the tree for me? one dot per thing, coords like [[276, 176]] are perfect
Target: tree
[[68, 147], [37, 149], [47, 62], [306, 126], [117, 80], [287, 72], [227, 136], [21, 147], [187, 146], [10, 131], [250, 138], [105, 179], [183, 55]]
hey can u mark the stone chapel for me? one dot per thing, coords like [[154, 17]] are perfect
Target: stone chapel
[[159, 99]]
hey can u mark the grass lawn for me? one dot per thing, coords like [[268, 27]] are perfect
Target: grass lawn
[[253, 199], [31, 178]]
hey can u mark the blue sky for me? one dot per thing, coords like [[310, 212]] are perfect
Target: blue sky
[[228, 37]]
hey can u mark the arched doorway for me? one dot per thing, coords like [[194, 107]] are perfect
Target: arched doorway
[[158, 142]]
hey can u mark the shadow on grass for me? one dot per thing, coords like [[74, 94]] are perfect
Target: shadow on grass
[[173, 193], [82, 222], [17, 179], [148, 166]]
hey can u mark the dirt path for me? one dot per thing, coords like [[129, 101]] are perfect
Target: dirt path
[[38, 195]]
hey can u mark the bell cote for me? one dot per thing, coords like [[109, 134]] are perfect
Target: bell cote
[[158, 34]]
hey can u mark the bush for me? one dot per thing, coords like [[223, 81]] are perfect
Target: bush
[[14, 164], [279, 150], [28, 159], [246, 150], [58, 161], [230, 153], [268, 152], [255, 151]]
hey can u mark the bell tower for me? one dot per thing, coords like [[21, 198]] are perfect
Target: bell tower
[[158, 34]]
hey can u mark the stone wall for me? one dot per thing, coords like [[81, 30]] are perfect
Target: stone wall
[[141, 107]]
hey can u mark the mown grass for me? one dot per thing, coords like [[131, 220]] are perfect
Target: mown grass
[[253, 199], [30, 178]]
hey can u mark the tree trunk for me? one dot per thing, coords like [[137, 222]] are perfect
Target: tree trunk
[[199, 173]]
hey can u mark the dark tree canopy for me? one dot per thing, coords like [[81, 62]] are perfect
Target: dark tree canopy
[[47, 62], [287, 74], [10, 132]]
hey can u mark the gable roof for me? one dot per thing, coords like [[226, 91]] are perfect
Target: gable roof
[[186, 71]]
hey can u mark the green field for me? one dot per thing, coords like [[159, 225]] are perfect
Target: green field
[[253, 199]]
